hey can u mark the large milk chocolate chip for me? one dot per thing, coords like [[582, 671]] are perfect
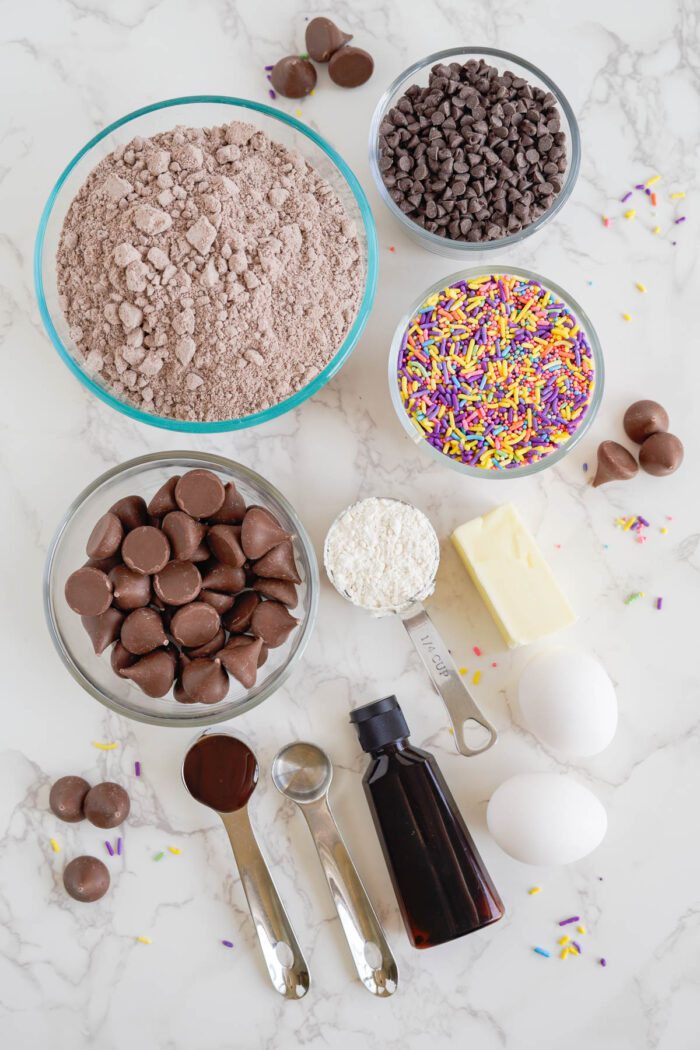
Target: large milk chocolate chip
[[106, 537], [350, 67], [240, 658], [200, 493], [323, 38], [131, 590], [644, 418], [238, 619], [205, 681], [121, 657], [281, 590], [209, 648], [178, 583], [185, 534], [221, 602], [106, 805], [195, 624], [260, 532], [131, 511], [146, 549], [661, 454], [88, 591], [271, 622], [293, 77], [104, 628], [224, 578], [142, 632], [278, 563], [224, 544], [615, 463], [164, 500], [66, 798], [86, 879], [154, 674], [232, 511]]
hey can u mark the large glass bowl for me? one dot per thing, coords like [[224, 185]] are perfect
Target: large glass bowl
[[505, 474], [199, 111], [503, 61], [142, 477]]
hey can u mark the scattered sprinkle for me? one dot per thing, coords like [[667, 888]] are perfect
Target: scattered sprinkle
[[464, 670], [603, 962], [144, 940], [304, 56], [640, 287], [159, 856], [55, 846], [653, 180], [105, 747], [626, 317], [654, 201], [581, 929], [227, 944], [659, 604], [563, 940], [677, 196], [564, 953], [630, 213], [585, 467], [297, 113], [119, 847], [109, 848], [572, 918], [476, 650], [606, 221], [392, 248], [543, 952], [272, 93], [577, 946], [477, 678], [137, 769], [633, 596], [623, 200], [269, 68], [676, 222], [534, 889], [174, 850], [657, 229], [494, 664], [664, 531]]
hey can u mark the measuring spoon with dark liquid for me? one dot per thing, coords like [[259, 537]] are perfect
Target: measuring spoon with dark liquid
[[221, 772]]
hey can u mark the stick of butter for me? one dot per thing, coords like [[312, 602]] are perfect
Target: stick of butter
[[512, 577]]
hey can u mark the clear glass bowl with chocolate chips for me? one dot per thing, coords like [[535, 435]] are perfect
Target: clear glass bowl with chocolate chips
[[182, 609], [473, 149]]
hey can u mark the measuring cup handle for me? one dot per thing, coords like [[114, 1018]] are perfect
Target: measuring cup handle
[[371, 953], [461, 706], [285, 963]]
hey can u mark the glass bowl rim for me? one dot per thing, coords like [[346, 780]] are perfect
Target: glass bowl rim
[[469, 273], [211, 717], [443, 243], [319, 381]]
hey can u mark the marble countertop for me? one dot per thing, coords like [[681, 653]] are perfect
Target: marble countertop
[[75, 976]]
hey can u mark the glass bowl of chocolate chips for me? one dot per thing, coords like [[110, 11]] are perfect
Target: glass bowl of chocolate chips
[[473, 149], [180, 589]]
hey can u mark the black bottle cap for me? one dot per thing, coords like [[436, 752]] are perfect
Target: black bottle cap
[[379, 723]]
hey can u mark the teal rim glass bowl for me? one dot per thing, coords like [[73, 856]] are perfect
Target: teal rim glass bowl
[[143, 477], [199, 111], [505, 473], [418, 73]]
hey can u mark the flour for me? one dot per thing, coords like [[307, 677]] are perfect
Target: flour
[[381, 554]]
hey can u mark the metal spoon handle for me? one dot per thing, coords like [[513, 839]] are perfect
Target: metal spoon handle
[[285, 962], [371, 954], [461, 706]]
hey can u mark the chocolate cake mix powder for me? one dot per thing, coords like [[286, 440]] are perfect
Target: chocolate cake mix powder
[[206, 274]]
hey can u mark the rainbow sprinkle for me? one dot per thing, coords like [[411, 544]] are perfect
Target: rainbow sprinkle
[[227, 944], [633, 597], [55, 846], [495, 372], [105, 747], [144, 940], [572, 918], [534, 889], [109, 848], [137, 769], [477, 678], [542, 951]]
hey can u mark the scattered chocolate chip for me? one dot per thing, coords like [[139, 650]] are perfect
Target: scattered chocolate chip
[[224, 543], [224, 578], [205, 681], [615, 463], [200, 493], [103, 629], [280, 590], [661, 454], [278, 563], [232, 511], [195, 624], [644, 418], [350, 67], [106, 805], [106, 537], [260, 532], [86, 879], [131, 511], [240, 658], [324, 38], [88, 591], [238, 619], [146, 549], [272, 622], [184, 533], [66, 798], [293, 77], [154, 673], [178, 583], [142, 632], [164, 500], [131, 590]]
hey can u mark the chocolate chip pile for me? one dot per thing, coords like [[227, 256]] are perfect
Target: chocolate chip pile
[[476, 155], [294, 76], [646, 423], [188, 589]]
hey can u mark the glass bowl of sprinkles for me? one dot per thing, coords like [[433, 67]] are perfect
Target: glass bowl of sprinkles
[[497, 375]]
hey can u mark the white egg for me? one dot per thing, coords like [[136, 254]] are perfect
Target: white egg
[[545, 818], [568, 701]]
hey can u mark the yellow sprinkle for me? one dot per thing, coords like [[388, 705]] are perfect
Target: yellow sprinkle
[[104, 747], [574, 950], [535, 889], [477, 678], [664, 531], [630, 523], [297, 112], [564, 940], [677, 196], [626, 317], [451, 730], [313, 92], [657, 229], [564, 952], [464, 670], [640, 287], [630, 213], [55, 846], [581, 929], [174, 850], [653, 180], [144, 940]]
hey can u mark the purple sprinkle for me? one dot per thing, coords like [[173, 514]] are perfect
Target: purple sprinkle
[[109, 848], [623, 200], [603, 962], [567, 922], [268, 68], [271, 93], [577, 946], [227, 944], [119, 847], [639, 186], [659, 604], [137, 769], [585, 466], [677, 221]]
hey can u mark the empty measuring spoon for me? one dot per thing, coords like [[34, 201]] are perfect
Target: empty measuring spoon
[[376, 536], [303, 772], [221, 772]]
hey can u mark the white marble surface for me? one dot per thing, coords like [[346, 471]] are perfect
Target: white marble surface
[[74, 976]]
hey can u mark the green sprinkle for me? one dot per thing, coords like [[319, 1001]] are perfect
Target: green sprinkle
[[633, 597], [159, 856]]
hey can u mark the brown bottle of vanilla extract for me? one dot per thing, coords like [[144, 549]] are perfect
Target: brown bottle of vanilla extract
[[443, 889]]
